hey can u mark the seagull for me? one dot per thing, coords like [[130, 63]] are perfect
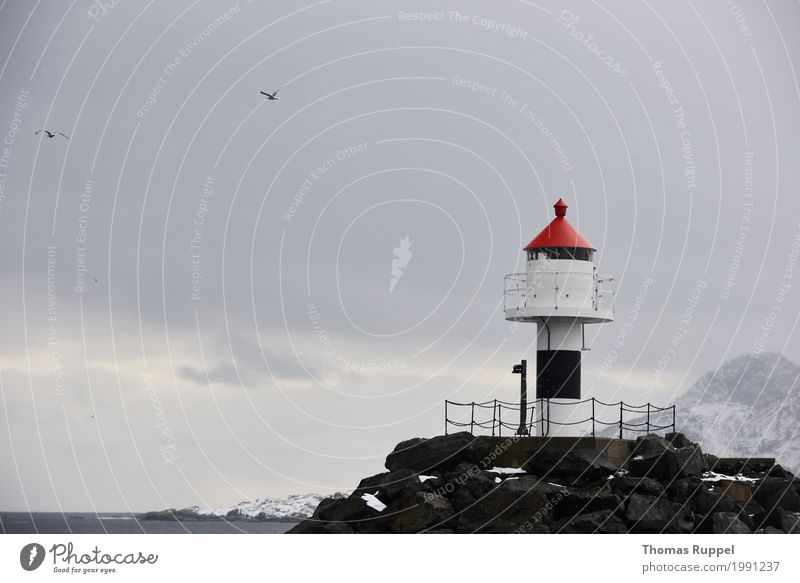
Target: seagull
[[272, 96], [50, 134]]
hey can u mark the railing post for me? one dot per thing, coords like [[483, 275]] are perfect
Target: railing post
[[494, 415], [530, 423], [620, 419], [472, 420], [500, 421], [673, 419], [445, 416], [592, 416], [648, 418]]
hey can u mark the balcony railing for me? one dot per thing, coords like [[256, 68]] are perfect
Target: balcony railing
[[555, 289]]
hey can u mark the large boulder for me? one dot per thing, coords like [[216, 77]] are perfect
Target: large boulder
[[777, 492], [728, 523], [575, 466], [624, 485], [790, 522], [353, 509], [682, 489], [578, 502], [710, 498], [678, 440], [669, 464], [418, 513], [649, 514], [513, 504], [467, 484], [392, 485], [600, 522], [437, 453], [651, 444]]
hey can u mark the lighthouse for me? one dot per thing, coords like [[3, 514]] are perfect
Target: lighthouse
[[560, 291]]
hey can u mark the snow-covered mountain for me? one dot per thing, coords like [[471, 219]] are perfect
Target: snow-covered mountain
[[294, 507], [748, 407]]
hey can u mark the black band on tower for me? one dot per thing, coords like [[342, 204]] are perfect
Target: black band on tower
[[558, 374]]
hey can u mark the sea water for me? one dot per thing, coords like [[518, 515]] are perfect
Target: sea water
[[124, 523]]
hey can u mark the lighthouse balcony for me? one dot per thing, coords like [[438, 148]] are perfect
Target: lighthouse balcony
[[532, 296]]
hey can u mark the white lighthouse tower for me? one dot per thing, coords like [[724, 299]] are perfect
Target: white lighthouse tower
[[560, 292]]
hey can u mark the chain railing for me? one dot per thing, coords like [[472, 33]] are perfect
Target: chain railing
[[496, 424]]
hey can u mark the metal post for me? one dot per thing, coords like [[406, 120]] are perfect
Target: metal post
[[445, 416], [472, 420], [673, 419], [500, 421], [620, 419], [522, 370], [592, 416], [494, 415], [530, 423], [648, 418]]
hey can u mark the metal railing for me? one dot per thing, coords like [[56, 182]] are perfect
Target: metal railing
[[516, 288], [495, 424]]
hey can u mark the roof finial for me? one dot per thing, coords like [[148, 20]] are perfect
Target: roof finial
[[561, 208]]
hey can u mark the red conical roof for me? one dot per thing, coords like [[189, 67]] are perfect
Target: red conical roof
[[560, 233]]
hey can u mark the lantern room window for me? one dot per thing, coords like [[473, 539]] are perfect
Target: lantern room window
[[569, 253]]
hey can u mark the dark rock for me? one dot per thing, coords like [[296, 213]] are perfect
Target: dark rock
[[586, 502], [649, 514], [600, 522], [577, 465], [316, 527], [509, 506], [532, 528], [751, 467], [751, 507], [353, 510], [683, 489], [651, 444], [468, 486], [773, 530], [727, 523], [437, 453], [769, 517], [624, 485], [678, 440], [325, 504], [778, 471], [776, 492], [748, 513], [669, 464], [709, 498], [392, 485], [662, 492], [419, 513], [790, 522]]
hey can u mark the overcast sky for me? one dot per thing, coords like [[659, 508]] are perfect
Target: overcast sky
[[198, 300]]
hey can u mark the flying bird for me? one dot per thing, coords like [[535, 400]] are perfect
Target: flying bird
[[50, 134], [272, 96]]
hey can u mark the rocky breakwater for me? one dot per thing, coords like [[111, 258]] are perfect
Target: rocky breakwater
[[456, 484]]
